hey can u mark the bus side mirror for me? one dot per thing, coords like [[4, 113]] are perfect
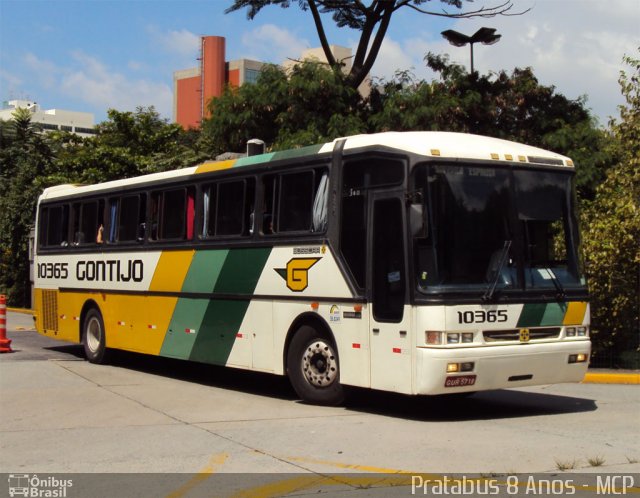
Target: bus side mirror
[[417, 221]]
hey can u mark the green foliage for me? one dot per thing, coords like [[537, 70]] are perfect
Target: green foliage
[[611, 232], [309, 105], [510, 106], [127, 144], [25, 158]]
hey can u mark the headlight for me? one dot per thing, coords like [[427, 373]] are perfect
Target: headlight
[[570, 331], [453, 338], [433, 337]]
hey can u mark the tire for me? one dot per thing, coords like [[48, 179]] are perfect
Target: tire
[[313, 367], [94, 339]]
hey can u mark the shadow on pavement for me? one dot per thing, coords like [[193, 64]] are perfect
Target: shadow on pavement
[[497, 404]]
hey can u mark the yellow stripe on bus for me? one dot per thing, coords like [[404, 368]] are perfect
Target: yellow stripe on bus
[[215, 166], [171, 271], [575, 313]]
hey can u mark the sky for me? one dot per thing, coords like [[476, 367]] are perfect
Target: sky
[[93, 55]]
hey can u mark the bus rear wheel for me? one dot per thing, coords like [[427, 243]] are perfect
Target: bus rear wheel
[[313, 367], [94, 339]]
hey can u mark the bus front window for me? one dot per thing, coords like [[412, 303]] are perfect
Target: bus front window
[[544, 207], [496, 229], [468, 226]]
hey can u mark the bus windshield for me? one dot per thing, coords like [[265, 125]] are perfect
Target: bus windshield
[[496, 229]]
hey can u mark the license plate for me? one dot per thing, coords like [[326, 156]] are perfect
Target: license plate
[[460, 381]]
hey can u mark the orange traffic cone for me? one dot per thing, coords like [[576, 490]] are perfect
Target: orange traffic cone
[[5, 344]]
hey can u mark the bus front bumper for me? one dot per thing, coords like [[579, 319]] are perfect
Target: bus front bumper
[[498, 367]]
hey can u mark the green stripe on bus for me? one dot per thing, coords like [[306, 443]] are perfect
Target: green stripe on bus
[[204, 271], [217, 335], [301, 152], [188, 314], [185, 323], [221, 322], [554, 314], [241, 271], [251, 160], [542, 314]]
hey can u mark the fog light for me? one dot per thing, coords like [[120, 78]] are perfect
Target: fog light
[[467, 366], [578, 358], [582, 331], [453, 338], [432, 337], [570, 331], [453, 367], [467, 337]]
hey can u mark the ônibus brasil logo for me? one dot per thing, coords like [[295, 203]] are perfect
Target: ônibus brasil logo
[[41, 487]]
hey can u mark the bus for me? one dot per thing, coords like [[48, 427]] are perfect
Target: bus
[[412, 262]]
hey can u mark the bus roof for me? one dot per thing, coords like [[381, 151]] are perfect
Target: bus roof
[[425, 143]]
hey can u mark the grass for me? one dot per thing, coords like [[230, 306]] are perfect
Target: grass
[[596, 461], [566, 464]]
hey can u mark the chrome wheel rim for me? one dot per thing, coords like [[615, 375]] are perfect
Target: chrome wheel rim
[[94, 334], [320, 364]]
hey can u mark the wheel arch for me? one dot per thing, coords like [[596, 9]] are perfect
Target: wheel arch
[[313, 320]]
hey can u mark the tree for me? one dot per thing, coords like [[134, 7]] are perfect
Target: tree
[[308, 105], [371, 20], [611, 231], [510, 106], [25, 158], [127, 144]]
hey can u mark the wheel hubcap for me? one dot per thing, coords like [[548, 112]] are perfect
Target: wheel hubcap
[[319, 364], [94, 334]]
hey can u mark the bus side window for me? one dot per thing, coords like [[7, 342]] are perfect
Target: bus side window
[[173, 214], [230, 208], [296, 202], [154, 213], [191, 210], [131, 218], [55, 226], [209, 197], [270, 203], [112, 222]]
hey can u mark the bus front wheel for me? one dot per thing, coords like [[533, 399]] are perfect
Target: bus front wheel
[[94, 338], [313, 367]]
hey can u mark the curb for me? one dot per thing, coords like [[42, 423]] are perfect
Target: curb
[[21, 310], [611, 378]]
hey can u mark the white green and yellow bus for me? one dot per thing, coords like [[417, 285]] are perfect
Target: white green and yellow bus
[[414, 262]]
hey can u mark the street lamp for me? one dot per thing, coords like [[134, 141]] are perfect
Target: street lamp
[[486, 36]]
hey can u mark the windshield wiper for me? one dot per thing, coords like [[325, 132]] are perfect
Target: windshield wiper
[[556, 283], [488, 295]]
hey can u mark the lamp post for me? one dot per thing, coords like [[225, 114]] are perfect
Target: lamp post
[[486, 36]]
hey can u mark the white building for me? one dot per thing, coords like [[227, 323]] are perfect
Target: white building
[[80, 123], [342, 55]]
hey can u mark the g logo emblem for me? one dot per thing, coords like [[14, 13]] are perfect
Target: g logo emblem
[[296, 273], [524, 335]]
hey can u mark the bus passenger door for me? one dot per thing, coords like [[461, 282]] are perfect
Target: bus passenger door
[[390, 319]]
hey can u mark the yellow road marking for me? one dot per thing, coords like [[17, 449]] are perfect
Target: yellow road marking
[[352, 466], [387, 477], [202, 475]]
